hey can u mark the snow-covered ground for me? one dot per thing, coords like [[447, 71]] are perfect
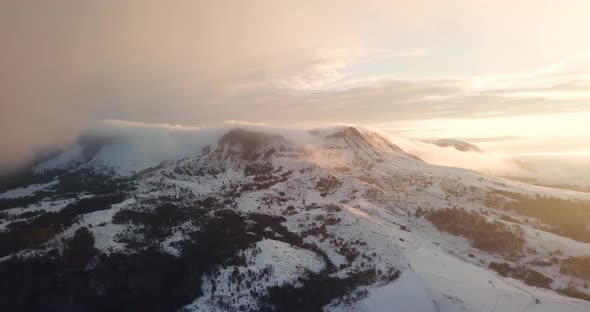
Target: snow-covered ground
[[276, 262], [27, 191], [436, 281]]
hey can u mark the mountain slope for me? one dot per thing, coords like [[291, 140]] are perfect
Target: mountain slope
[[347, 221]]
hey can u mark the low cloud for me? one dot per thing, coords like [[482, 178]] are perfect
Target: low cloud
[[162, 141], [139, 145], [487, 162]]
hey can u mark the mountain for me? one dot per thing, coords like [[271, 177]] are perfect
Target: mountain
[[333, 219], [459, 145]]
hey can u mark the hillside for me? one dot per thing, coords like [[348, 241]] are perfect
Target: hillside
[[334, 219]]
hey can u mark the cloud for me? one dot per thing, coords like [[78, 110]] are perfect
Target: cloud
[[141, 145], [488, 162], [138, 145], [66, 64]]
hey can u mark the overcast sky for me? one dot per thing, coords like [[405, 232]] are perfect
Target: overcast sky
[[424, 67]]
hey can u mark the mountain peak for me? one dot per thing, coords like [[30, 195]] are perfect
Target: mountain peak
[[347, 132], [459, 145], [368, 145], [251, 145]]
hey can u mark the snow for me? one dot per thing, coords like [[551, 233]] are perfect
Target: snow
[[436, 281], [407, 294], [285, 264], [100, 225], [27, 191], [274, 253], [542, 240], [44, 204]]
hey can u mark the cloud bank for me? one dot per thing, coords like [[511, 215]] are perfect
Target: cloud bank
[[136, 146], [487, 162]]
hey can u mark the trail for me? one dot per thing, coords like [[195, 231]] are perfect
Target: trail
[[428, 288], [497, 297], [531, 304]]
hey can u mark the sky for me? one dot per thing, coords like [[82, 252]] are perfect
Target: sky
[[512, 76]]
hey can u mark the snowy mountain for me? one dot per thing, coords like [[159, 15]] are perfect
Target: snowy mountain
[[261, 219]]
